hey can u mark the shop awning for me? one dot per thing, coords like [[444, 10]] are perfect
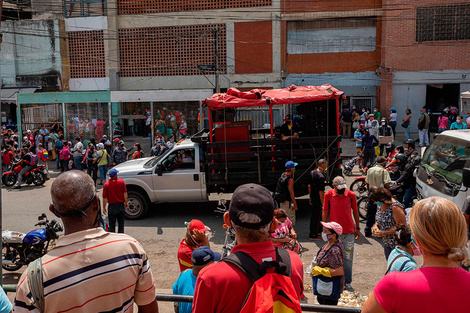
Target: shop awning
[[9, 94], [259, 97]]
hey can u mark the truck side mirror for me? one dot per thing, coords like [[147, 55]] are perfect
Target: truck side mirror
[[466, 177], [159, 169]]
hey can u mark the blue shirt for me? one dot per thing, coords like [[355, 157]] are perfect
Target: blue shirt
[[185, 286], [456, 125], [5, 304], [402, 264], [369, 142], [358, 135]]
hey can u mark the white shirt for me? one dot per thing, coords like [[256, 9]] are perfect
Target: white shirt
[[393, 117]]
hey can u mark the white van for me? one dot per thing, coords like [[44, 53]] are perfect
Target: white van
[[445, 168]]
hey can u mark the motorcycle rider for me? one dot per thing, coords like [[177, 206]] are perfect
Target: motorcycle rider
[[406, 167], [26, 163]]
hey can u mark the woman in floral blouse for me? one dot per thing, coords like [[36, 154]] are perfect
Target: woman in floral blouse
[[390, 216], [330, 258]]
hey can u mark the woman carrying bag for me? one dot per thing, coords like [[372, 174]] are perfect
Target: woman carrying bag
[[328, 274]]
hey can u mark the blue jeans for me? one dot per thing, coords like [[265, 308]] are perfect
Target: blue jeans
[[103, 170], [407, 132], [440, 130], [78, 162], [408, 196], [58, 162], [348, 243], [423, 137]]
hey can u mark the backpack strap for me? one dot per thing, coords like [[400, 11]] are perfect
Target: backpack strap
[[403, 265], [36, 284], [396, 258], [254, 271]]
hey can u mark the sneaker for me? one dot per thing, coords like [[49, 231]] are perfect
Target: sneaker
[[348, 287]]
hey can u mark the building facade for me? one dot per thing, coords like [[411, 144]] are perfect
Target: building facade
[[425, 49], [334, 42]]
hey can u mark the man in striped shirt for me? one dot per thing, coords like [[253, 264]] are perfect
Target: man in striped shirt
[[89, 270]]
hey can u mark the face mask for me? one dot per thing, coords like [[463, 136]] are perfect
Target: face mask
[[383, 124], [324, 236], [458, 121], [415, 248], [9, 121], [340, 191], [363, 111], [379, 203], [422, 112], [375, 111]]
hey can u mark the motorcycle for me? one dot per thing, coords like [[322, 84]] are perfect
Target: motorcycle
[[37, 176], [21, 249], [230, 240]]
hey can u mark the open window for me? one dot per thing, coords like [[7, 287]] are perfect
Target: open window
[[182, 159]]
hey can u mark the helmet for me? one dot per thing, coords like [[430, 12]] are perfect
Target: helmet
[[410, 142], [401, 157], [390, 145]]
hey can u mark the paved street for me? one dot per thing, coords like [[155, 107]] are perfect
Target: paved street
[[163, 229]]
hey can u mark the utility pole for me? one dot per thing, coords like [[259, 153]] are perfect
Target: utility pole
[[216, 39]]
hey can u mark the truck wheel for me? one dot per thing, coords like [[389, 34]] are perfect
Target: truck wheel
[[138, 205]]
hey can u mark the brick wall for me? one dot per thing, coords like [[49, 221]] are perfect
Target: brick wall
[[401, 52], [170, 51], [296, 6], [86, 51], [253, 49], [164, 6]]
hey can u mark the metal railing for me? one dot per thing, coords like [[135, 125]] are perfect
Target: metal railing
[[305, 307], [189, 299]]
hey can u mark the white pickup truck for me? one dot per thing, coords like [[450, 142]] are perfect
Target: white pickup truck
[[445, 168], [175, 176]]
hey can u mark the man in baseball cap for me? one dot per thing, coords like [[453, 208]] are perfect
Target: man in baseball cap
[[195, 237], [115, 194], [340, 205], [186, 283], [251, 213], [284, 193]]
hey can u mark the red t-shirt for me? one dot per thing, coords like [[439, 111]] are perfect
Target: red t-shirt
[[114, 190], [428, 289], [222, 287], [341, 207], [7, 158], [185, 252]]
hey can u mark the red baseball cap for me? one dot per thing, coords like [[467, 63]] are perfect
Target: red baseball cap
[[197, 224], [116, 139]]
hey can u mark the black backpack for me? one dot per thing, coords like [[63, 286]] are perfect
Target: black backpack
[[281, 194]]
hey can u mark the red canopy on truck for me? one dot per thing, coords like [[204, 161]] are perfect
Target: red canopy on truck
[[259, 97]]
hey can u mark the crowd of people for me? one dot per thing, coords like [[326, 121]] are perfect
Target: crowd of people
[[87, 256]]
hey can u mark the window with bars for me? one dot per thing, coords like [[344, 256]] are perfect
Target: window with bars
[[86, 51], [170, 51], [83, 8], [440, 23], [164, 6]]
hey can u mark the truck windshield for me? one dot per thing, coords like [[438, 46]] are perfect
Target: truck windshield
[[446, 158], [153, 161]]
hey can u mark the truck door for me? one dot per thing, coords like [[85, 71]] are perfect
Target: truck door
[[181, 177]]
